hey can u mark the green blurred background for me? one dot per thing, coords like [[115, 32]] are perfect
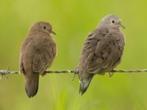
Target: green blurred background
[[72, 20]]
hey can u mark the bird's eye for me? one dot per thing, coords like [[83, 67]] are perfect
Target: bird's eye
[[113, 21], [44, 27]]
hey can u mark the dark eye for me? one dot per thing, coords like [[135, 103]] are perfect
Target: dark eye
[[113, 21], [44, 27]]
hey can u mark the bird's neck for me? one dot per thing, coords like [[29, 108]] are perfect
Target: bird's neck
[[35, 32], [110, 28]]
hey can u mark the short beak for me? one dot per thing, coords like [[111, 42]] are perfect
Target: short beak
[[53, 32]]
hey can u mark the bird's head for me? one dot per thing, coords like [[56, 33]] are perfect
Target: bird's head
[[43, 27], [112, 21]]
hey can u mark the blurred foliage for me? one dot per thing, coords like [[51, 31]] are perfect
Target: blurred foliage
[[72, 20]]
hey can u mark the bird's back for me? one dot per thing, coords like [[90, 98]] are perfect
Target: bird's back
[[38, 50], [102, 51]]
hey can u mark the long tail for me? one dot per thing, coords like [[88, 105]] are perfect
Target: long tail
[[31, 86], [84, 84]]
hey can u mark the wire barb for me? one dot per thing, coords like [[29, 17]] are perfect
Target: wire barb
[[6, 72]]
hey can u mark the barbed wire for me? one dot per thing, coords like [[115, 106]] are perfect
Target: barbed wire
[[8, 72]]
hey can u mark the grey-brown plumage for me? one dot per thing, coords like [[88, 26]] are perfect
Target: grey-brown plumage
[[36, 55], [102, 50]]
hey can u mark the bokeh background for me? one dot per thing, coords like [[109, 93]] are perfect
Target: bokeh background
[[72, 20]]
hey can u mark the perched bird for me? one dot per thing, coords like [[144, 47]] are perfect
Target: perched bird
[[37, 54], [102, 50]]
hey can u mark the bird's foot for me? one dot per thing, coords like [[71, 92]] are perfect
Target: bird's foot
[[76, 71], [73, 77], [110, 74]]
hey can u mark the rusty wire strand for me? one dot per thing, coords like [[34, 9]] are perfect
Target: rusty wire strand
[[8, 72]]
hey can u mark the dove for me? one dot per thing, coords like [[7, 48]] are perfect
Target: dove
[[102, 50], [36, 55]]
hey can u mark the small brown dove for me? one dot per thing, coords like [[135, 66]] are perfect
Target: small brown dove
[[37, 54], [102, 50]]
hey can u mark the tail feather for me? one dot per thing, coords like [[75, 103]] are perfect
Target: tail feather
[[31, 86], [84, 84]]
